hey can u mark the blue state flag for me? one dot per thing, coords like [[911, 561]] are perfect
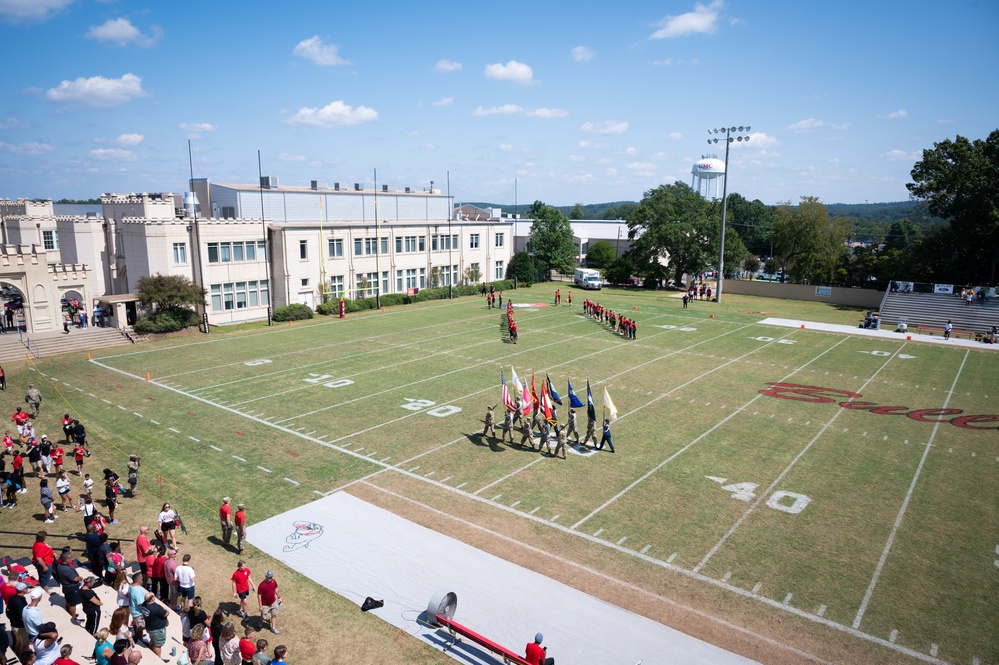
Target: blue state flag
[[591, 411], [551, 391], [574, 401]]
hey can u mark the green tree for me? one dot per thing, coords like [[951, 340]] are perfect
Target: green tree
[[551, 240], [809, 244], [751, 264], [620, 211], [577, 212], [673, 226], [522, 269], [619, 270], [169, 292], [600, 254], [960, 181], [754, 221], [472, 274]]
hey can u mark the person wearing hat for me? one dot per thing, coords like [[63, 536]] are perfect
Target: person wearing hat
[[45, 449], [34, 400], [239, 520], [225, 520], [31, 615], [133, 474], [570, 426], [535, 654], [269, 601], [15, 610]]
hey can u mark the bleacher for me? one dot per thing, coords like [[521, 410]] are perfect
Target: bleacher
[[53, 607], [929, 312]]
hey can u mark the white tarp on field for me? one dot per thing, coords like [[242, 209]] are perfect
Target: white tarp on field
[[357, 549]]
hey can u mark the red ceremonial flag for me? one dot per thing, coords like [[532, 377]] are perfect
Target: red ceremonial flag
[[546, 403], [534, 393], [507, 399], [527, 402]]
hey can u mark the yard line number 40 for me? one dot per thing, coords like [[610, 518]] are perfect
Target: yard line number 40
[[786, 502]]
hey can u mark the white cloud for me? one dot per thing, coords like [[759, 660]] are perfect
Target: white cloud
[[605, 127], [757, 140], [429, 146], [334, 114], [591, 145], [665, 62], [631, 151], [901, 156], [13, 123], [583, 54], [324, 55], [901, 113], [98, 91], [506, 147], [547, 113], [121, 32], [445, 66], [31, 10], [660, 155], [703, 20], [447, 101], [641, 166], [128, 140], [506, 109], [840, 126], [806, 125], [197, 127], [113, 155], [31, 148], [610, 172], [577, 158], [286, 157], [514, 71], [675, 136]]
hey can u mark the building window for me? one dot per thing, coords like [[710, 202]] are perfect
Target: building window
[[474, 269], [50, 239], [265, 299], [409, 244], [262, 249], [228, 212], [227, 296], [305, 281], [358, 247], [384, 245], [237, 251], [499, 239], [216, 297], [240, 295], [423, 278], [225, 252], [336, 286], [251, 288], [180, 253], [422, 243], [335, 248], [410, 278], [499, 270], [398, 281], [473, 241], [303, 249], [213, 252], [251, 251], [449, 275]]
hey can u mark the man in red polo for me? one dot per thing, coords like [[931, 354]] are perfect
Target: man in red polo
[[242, 585], [225, 520], [43, 557], [240, 522], [20, 417], [144, 550]]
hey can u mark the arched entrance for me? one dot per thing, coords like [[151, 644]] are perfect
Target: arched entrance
[[13, 306]]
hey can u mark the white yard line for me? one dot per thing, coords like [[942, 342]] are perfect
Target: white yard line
[[724, 420], [510, 475], [905, 505], [766, 493]]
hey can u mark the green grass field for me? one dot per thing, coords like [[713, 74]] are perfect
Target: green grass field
[[796, 530]]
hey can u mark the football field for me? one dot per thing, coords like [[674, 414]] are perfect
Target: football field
[[791, 494]]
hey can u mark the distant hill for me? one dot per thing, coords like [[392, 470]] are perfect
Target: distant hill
[[590, 211]]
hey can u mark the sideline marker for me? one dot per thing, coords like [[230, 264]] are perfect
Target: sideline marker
[[147, 376], [908, 338], [89, 357], [711, 316], [291, 324], [802, 326], [634, 306]]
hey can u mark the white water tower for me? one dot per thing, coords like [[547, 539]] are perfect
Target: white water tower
[[707, 175]]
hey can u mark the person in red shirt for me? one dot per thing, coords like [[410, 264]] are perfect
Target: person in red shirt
[[225, 519], [43, 557], [8, 441], [65, 651], [78, 454], [57, 458], [20, 417], [537, 654], [240, 521], [143, 551], [160, 587], [67, 428], [248, 644], [242, 585], [9, 588], [269, 601]]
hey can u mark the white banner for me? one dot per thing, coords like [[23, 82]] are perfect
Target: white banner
[[943, 288]]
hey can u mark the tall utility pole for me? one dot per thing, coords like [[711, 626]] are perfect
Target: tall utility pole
[[192, 198], [450, 240], [267, 244], [729, 139], [378, 250]]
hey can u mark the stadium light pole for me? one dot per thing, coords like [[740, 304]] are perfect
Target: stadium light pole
[[729, 139]]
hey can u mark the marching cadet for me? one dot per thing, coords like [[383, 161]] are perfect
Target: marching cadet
[[517, 416], [570, 427], [507, 427], [591, 431], [490, 422], [546, 436], [561, 438], [528, 435]]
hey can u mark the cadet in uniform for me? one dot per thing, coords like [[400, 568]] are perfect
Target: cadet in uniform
[[507, 426], [570, 427], [490, 422], [591, 431]]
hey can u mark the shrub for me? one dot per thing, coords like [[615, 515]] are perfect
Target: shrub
[[296, 312], [168, 320]]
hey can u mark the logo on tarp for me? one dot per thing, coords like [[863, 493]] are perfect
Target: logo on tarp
[[302, 535]]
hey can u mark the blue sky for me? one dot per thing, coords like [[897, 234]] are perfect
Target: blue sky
[[579, 102]]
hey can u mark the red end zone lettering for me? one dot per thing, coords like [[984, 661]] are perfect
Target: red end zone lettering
[[801, 393], [921, 414], [967, 421]]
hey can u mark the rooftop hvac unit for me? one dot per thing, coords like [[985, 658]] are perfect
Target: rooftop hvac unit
[[336, 186], [384, 188], [357, 186], [269, 181], [409, 190], [318, 184]]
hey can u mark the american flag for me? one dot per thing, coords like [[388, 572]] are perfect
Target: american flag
[[508, 400]]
